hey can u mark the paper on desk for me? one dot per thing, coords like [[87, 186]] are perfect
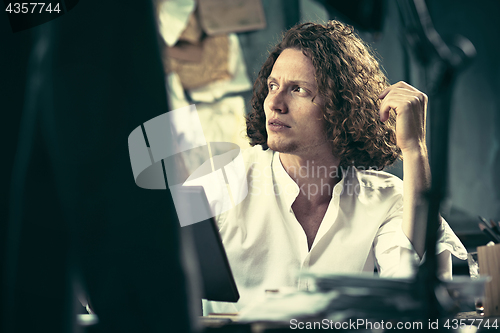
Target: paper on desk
[[390, 295], [341, 297]]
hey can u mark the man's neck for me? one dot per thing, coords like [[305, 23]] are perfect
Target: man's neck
[[316, 175]]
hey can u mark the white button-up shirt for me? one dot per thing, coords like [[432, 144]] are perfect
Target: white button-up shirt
[[267, 247]]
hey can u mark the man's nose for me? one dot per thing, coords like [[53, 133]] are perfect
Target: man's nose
[[277, 102]]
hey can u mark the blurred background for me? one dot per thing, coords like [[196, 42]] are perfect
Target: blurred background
[[72, 90]]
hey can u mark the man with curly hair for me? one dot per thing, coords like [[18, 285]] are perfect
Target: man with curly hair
[[324, 123]]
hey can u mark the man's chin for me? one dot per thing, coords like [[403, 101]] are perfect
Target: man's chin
[[282, 147]]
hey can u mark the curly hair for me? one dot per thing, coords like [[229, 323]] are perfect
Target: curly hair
[[349, 80]]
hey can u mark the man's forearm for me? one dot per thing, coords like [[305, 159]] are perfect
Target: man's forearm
[[416, 180]]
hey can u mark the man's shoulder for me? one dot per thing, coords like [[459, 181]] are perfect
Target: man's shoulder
[[378, 180]]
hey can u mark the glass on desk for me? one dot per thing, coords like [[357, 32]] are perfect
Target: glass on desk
[[474, 274]]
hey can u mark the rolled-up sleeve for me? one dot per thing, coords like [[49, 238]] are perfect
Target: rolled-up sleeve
[[395, 255]]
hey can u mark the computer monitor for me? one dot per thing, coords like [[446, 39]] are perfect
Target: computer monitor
[[217, 279]]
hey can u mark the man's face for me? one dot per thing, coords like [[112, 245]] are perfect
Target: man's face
[[294, 122]]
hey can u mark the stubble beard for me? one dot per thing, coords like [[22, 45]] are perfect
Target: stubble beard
[[292, 147], [282, 147]]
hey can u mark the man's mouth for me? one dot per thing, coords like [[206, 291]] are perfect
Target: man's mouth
[[277, 123]]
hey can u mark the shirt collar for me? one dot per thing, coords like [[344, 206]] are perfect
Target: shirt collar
[[288, 190]]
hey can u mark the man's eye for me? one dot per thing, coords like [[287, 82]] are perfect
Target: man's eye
[[300, 90], [273, 86]]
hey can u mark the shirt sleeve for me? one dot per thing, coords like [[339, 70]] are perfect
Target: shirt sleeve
[[394, 253]]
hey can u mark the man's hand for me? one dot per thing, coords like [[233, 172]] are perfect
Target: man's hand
[[410, 106]]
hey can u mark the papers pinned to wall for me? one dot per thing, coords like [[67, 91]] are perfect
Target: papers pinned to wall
[[173, 17], [226, 16]]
